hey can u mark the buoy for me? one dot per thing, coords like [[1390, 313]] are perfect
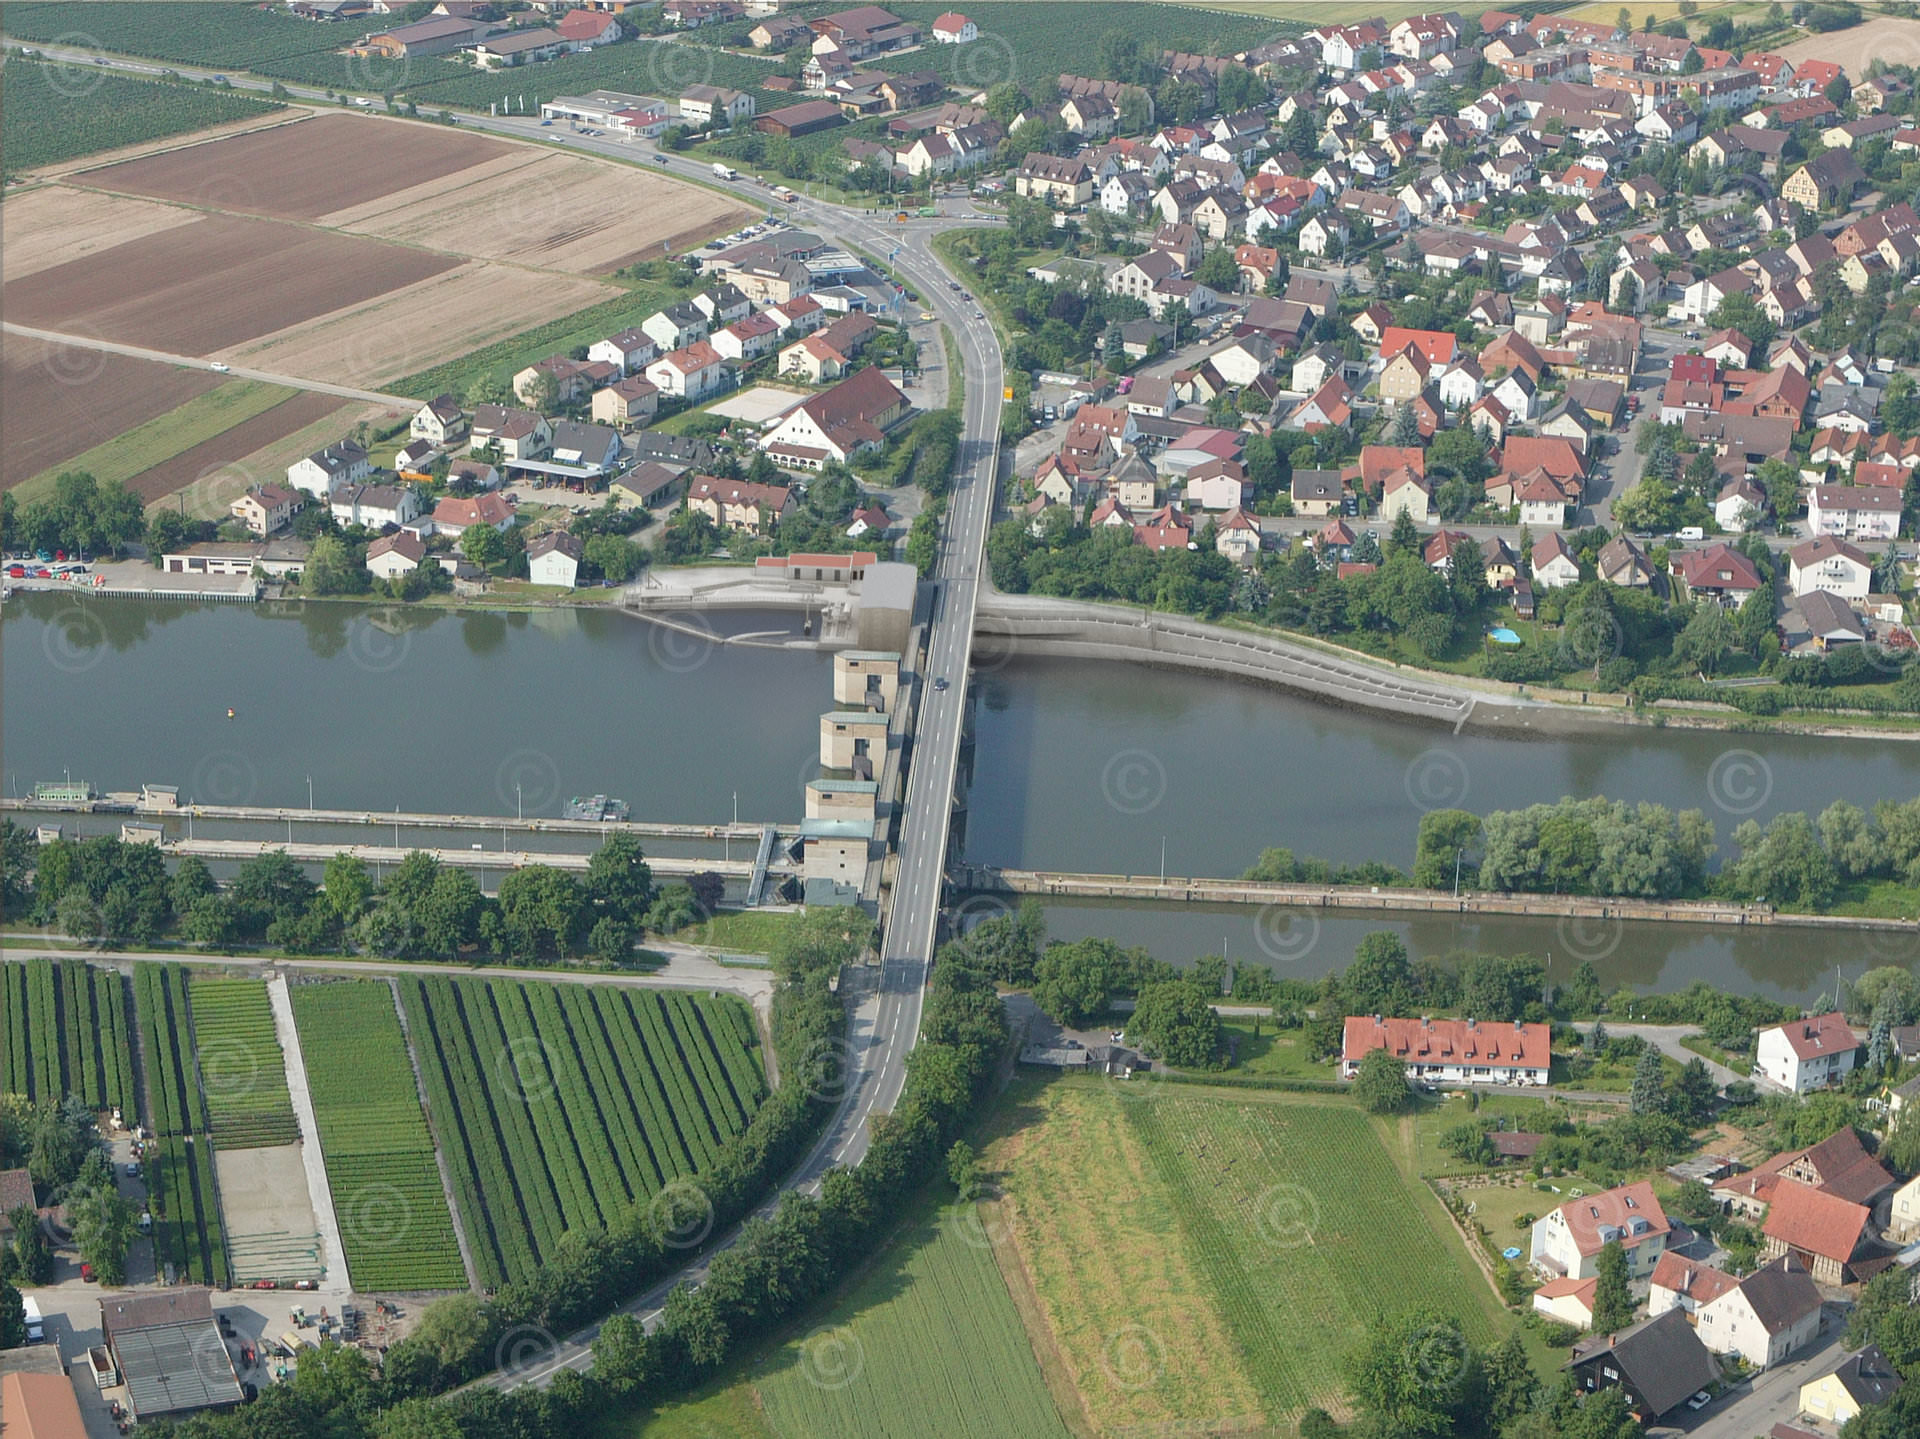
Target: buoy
[[229, 712]]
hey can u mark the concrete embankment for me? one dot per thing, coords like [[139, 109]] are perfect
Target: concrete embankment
[[985, 879]]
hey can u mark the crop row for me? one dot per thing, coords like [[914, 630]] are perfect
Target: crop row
[[56, 114], [558, 1104], [173, 1090], [63, 1031], [388, 1201], [242, 1067], [186, 1211]]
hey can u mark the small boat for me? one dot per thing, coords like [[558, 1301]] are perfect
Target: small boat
[[229, 711], [596, 808]]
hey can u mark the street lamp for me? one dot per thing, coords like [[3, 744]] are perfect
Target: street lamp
[[309, 794], [519, 813]]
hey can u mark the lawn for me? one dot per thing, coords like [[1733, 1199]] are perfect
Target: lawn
[[1434, 1119], [1098, 1255], [755, 931], [1304, 1227], [161, 438], [1273, 1052], [926, 1341]]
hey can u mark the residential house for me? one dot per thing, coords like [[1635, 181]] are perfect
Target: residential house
[[439, 422], [852, 417], [1739, 506], [714, 105], [320, 473], [1854, 512], [1236, 535], [1567, 1241], [1657, 1364], [626, 403], [953, 28], [1448, 1052], [1570, 1301], [266, 509], [1317, 492], [1405, 491], [454, 516], [1763, 1318], [554, 559], [1553, 564], [1718, 572], [1330, 405], [1828, 565], [375, 507], [1058, 180], [676, 327], [691, 373], [1827, 181], [392, 556], [739, 504], [1622, 562], [517, 434], [1861, 1381], [591, 450], [1806, 1054]]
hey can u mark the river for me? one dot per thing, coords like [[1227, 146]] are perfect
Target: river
[[1078, 765]]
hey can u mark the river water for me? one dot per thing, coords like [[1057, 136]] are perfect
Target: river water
[[1078, 765]]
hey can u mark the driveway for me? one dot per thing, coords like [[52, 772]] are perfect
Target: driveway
[[1755, 1407], [1666, 1038]]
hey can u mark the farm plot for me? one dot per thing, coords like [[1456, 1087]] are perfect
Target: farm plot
[[303, 171], [241, 1066], [210, 460], [198, 288], [53, 224], [57, 112], [566, 213], [387, 1195], [1025, 42], [1897, 42], [63, 1031], [426, 324], [186, 1205], [1305, 1230], [931, 1333], [51, 395], [196, 32], [559, 1105]]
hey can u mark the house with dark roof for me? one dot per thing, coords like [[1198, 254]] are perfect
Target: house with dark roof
[[170, 1354], [1764, 1318], [1859, 1382], [1657, 1365]]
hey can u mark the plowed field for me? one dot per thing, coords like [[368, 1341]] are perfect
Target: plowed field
[[63, 401]]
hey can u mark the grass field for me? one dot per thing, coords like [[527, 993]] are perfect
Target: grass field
[[1093, 1252], [1304, 1228], [241, 1065], [200, 419], [559, 1106], [55, 112], [749, 931], [64, 1030], [928, 1342], [387, 1194]]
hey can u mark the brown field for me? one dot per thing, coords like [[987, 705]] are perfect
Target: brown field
[[62, 402], [562, 212], [198, 288], [302, 171], [1895, 41], [52, 224], [173, 142], [426, 324], [213, 459]]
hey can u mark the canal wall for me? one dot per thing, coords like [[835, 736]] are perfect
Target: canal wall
[[987, 879]]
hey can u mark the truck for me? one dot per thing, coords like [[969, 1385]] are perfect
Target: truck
[[725, 172], [36, 1326]]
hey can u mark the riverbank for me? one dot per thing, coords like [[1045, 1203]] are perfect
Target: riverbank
[[1167, 889]]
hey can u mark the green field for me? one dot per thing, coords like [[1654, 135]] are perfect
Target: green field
[[1305, 1229], [560, 1105], [1033, 43], [180, 1174], [55, 112], [242, 1068], [64, 1030], [928, 1342], [387, 1195]]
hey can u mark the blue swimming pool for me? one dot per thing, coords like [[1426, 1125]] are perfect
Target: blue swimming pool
[[1504, 636]]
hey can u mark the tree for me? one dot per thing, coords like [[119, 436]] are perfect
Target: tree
[[484, 545], [1380, 979], [616, 557], [1406, 426], [1694, 1092], [1708, 636], [1176, 1021], [541, 909], [32, 1254], [13, 1317], [1074, 983], [330, 569], [1217, 270], [963, 1168], [347, 885], [1447, 838], [103, 1229], [1404, 537], [1411, 1373], [1381, 1084], [1612, 1302], [619, 881], [1649, 1092]]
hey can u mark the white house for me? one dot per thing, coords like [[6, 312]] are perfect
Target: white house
[[377, 507], [1553, 564], [1806, 1054], [397, 554], [954, 28], [630, 350], [554, 559], [1824, 563], [1568, 1241], [1516, 391], [321, 472], [1765, 1317], [1852, 512], [1739, 505], [690, 373], [1450, 1051], [676, 326]]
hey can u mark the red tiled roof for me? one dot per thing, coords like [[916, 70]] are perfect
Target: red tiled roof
[[1440, 1040], [1823, 1034], [1689, 1277], [1597, 1218], [1803, 1217]]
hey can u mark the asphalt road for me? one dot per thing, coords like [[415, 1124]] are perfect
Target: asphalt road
[[196, 362]]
